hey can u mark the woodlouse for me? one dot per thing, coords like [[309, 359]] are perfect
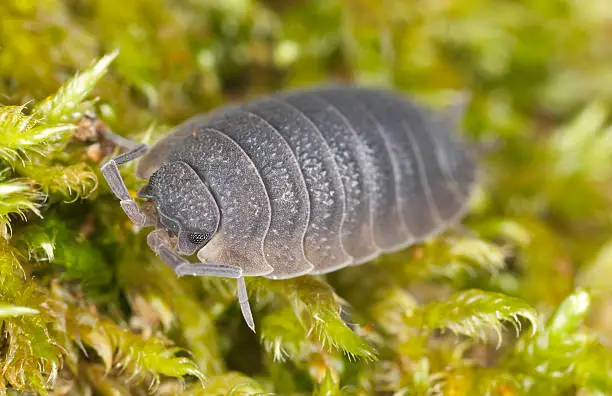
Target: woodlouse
[[298, 182]]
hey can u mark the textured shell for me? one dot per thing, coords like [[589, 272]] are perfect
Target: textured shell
[[312, 181]]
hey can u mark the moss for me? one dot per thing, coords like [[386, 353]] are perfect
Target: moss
[[515, 302]]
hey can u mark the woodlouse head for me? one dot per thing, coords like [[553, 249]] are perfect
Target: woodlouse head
[[185, 205]]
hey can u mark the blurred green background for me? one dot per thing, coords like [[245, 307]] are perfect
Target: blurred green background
[[518, 302]]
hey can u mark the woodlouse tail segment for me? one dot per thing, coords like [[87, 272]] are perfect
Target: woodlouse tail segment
[[110, 171], [159, 242]]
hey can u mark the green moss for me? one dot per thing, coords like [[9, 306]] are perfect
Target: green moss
[[517, 302]]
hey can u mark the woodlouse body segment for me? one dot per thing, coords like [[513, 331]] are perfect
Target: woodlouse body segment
[[184, 204], [242, 197], [281, 176], [388, 231], [322, 242], [299, 182], [347, 152]]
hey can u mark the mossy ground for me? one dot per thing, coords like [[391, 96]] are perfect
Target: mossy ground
[[518, 302]]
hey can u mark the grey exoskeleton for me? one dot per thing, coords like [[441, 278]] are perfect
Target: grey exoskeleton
[[299, 182]]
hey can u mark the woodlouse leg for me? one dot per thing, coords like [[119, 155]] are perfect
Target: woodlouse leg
[[110, 171], [158, 242], [245, 307], [223, 271]]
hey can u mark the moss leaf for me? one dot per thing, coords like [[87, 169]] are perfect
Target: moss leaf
[[17, 198], [318, 311], [231, 383], [12, 311], [68, 99], [555, 349], [474, 312], [22, 136]]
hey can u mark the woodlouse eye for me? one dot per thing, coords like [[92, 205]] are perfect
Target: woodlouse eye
[[197, 238]]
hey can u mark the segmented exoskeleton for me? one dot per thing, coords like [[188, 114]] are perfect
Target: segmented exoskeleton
[[298, 182]]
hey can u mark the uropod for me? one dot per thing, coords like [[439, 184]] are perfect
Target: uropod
[[298, 182]]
